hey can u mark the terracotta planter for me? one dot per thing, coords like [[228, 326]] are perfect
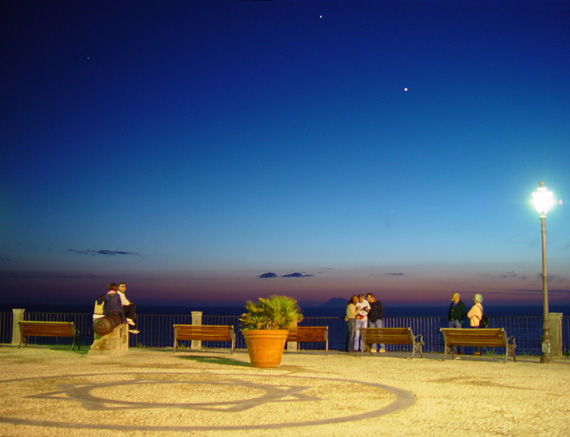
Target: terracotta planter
[[265, 346]]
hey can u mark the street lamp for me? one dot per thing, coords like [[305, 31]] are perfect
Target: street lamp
[[543, 200]]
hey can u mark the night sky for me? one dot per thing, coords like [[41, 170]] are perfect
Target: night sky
[[217, 151]]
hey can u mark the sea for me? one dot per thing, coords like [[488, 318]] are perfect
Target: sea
[[308, 311]]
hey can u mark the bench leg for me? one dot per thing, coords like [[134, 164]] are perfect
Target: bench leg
[[420, 349], [446, 349], [75, 343], [511, 349]]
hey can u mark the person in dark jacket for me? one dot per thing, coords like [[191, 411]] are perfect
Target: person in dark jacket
[[456, 315], [375, 318], [113, 305]]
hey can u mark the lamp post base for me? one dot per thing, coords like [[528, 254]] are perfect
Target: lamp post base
[[546, 356]]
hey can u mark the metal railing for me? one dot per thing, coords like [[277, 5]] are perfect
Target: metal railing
[[157, 332]]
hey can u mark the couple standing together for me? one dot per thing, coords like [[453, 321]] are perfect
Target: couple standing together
[[362, 313], [457, 313]]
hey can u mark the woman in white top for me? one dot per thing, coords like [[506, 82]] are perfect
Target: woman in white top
[[362, 308]]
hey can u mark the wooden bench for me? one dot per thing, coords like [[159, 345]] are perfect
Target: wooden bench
[[204, 333], [48, 329], [310, 334], [482, 337], [403, 336]]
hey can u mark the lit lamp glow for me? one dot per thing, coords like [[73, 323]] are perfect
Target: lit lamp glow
[[543, 200]]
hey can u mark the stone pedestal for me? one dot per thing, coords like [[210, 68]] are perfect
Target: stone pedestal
[[555, 334], [196, 320], [17, 315], [113, 344]]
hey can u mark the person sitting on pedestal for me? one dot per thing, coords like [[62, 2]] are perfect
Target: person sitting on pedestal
[[113, 303], [129, 308]]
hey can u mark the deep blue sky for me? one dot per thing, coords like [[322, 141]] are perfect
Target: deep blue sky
[[190, 147]]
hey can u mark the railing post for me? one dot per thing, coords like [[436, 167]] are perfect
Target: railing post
[[17, 315], [555, 334], [196, 320]]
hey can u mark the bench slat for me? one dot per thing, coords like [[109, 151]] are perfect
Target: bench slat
[[29, 328], [204, 333], [310, 334], [482, 337], [399, 336]]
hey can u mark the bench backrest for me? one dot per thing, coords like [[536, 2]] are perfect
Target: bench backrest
[[47, 329], [388, 335], [309, 334], [204, 332], [474, 337]]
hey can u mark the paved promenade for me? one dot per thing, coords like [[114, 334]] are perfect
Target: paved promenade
[[56, 392]]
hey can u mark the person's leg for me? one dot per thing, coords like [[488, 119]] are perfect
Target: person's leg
[[374, 347], [479, 349], [380, 324], [350, 328], [130, 311], [456, 324], [357, 337]]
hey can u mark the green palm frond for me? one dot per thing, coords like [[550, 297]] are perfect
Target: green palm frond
[[275, 312]]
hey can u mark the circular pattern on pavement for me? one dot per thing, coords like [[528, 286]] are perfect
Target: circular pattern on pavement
[[194, 401]]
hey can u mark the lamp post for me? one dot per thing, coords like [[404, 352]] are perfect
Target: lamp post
[[543, 200]]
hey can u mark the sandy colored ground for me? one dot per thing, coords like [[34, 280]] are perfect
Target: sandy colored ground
[[56, 392]]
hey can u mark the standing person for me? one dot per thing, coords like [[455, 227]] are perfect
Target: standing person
[[113, 303], [475, 315], [456, 314], [129, 308], [375, 318], [362, 308], [351, 321]]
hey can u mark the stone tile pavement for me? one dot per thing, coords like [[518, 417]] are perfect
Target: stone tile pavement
[[53, 391]]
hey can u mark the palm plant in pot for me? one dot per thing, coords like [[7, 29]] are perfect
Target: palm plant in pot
[[265, 326]]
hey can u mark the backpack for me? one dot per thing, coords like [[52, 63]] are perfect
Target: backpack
[[484, 321]]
